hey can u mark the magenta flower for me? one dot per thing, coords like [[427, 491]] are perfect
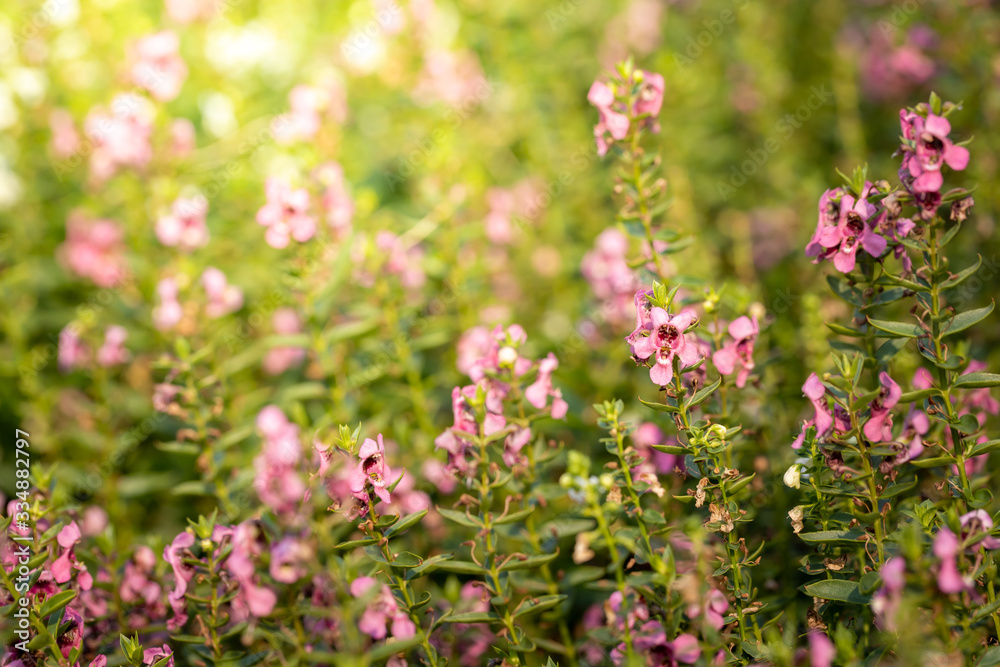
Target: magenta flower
[[185, 226], [401, 259], [382, 613], [666, 342], [288, 560], [62, 568], [823, 420], [72, 637], [651, 639], [174, 554], [932, 149], [946, 548], [739, 351], [137, 586], [651, 96], [979, 524], [878, 428], [821, 650], [286, 214], [611, 122], [253, 599], [223, 298], [648, 434], [715, 606], [371, 470], [886, 600], [539, 391], [151, 656], [113, 350], [472, 346], [157, 66]]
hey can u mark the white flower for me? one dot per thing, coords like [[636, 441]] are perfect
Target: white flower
[[793, 476], [507, 356]]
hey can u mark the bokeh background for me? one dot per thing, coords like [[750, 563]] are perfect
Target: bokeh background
[[433, 106]]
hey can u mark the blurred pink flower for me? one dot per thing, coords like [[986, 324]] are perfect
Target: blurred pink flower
[[739, 351], [157, 65], [120, 138], [182, 137], [93, 249], [73, 353], [286, 214], [187, 11], [65, 138], [169, 312], [185, 226], [113, 350], [401, 260], [382, 612], [223, 298], [878, 428], [280, 359], [277, 480], [336, 200]]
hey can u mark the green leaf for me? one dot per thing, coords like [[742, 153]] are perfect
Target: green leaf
[[461, 518], [428, 564], [845, 291], [354, 544], [919, 395], [985, 447], [538, 605], [840, 590], [459, 567], [844, 331], [529, 563], [963, 321], [661, 407], [406, 559], [738, 485], [405, 523], [932, 462], [393, 646], [977, 380], [833, 536], [897, 329], [55, 603], [474, 617], [703, 394], [990, 659], [514, 517], [304, 391], [890, 349], [248, 660], [962, 276], [968, 424], [672, 449], [193, 488]]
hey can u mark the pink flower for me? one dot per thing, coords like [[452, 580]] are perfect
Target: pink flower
[[931, 150], [538, 392], [99, 661], [182, 137], [739, 351], [186, 11], [886, 601], [174, 554], [666, 342], [821, 650], [946, 548], [151, 656], [253, 599], [63, 566], [223, 298], [168, 313], [472, 346], [280, 359], [401, 260], [382, 613], [288, 560], [371, 470], [157, 66], [65, 138], [878, 428], [113, 350], [715, 605], [121, 138], [979, 524], [651, 639], [438, 474], [277, 481], [611, 122], [651, 95], [185, 226], [136, 584], [606, 268], [93, 249], [303, 121], [72, 637], [648, 434], [336, 200], [73, 353], [286, 214]]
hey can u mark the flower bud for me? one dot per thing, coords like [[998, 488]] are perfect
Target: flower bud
[[607, 480], [793, 476]]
